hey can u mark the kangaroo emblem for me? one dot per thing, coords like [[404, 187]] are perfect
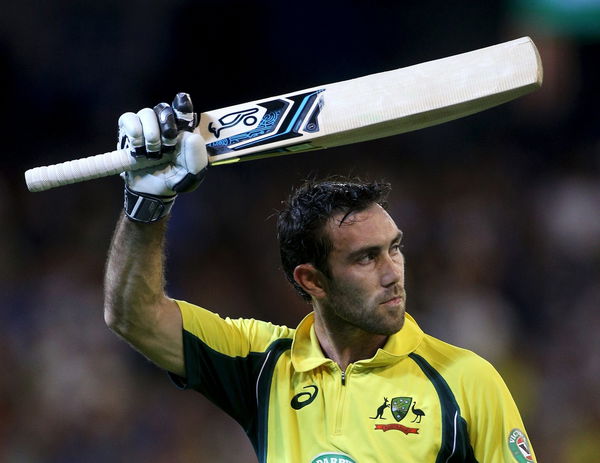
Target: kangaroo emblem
[[381, 409]]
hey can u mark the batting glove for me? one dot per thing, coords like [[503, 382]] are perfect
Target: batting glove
[[165, 132]]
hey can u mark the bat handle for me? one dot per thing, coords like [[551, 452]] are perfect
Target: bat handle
[[102, 165]]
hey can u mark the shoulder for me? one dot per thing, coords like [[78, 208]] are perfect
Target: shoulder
[[261, 332], [475, 384], [455, 364], [226, 334]]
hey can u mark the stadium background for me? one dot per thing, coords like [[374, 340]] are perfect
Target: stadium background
[[500, 210]]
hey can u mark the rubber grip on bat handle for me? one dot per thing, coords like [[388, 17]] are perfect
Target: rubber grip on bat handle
[[79, 170]]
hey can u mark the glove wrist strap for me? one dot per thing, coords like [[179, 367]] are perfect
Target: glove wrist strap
[[146, 208]]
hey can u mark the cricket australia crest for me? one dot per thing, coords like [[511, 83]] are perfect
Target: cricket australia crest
[[400, 407]]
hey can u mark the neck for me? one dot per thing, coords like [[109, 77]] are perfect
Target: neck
[[344, 343]]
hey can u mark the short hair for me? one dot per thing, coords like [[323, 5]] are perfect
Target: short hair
[[301, 222]]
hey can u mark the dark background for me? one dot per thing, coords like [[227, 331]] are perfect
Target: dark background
[[499, 210]]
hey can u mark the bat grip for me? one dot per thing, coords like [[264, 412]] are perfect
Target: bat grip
[[102, 165]]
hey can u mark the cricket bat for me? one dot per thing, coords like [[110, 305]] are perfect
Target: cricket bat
[[375, 106]]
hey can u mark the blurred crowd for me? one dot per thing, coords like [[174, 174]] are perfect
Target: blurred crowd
[[500, 213]]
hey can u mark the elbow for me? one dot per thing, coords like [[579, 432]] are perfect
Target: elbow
[[109, 318], [129, 321], [114, 322]]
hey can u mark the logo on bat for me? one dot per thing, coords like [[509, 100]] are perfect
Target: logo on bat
[[283, 119], [244, 116]]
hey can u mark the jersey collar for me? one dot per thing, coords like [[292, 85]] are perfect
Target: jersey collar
[[307, 353]]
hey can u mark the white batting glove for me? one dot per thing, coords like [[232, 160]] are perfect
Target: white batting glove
[[164, 132]]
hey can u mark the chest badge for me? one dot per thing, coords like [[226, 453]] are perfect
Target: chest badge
[[399, 407]]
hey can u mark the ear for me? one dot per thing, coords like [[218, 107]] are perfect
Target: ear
[[310, 279]]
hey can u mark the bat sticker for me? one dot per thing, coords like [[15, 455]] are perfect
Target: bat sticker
[[283, 119], [232, 119]]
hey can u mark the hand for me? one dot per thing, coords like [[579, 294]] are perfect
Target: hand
[[164, 132]]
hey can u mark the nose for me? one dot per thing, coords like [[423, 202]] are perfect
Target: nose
[[392, 270]]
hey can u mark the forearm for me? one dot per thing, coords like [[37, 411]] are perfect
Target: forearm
[[134, 279]]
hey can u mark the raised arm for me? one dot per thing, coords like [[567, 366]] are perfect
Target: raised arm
[[135, 304]]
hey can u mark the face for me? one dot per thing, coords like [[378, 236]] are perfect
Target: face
[[366, 266]]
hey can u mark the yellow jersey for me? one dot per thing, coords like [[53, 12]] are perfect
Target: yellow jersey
[[417, 400]]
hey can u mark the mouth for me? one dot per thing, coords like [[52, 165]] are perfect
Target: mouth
[[395, 300]]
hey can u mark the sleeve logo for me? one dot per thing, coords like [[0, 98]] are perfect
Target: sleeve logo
[[519, 446]]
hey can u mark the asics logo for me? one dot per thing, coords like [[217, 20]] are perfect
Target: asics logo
[[303, 399]]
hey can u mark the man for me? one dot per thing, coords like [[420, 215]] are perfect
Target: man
[[357, 380]]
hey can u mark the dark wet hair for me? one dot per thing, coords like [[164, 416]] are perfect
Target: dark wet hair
[[301, 222]]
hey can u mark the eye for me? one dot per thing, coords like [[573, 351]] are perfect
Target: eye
[[397, 248], [366, 258]]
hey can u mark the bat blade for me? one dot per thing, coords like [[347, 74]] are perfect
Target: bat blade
[[378, 105], [356, 110]]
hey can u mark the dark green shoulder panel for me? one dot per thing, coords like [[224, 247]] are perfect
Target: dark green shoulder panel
[[238, 385], [263, 389], [456, 446]]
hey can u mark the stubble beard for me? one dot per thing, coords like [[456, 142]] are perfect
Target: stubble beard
[[349, 306]]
